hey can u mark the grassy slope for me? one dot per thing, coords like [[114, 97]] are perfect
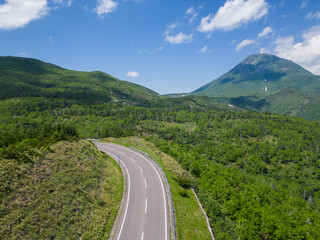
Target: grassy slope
[[245, 84], [21, 77], [258, 71], [287, 102], [190, 221], [70, 191]]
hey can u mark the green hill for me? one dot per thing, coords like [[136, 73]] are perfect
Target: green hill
[[261, 74], [256, 174], [25, 77], [263, 82]]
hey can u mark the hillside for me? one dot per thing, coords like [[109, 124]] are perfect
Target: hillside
[[263, 82], [256, 174], [59, 193], [25, 77], [37, 80], [261, 74]]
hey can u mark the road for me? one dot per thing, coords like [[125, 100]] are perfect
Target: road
[[145, 210]]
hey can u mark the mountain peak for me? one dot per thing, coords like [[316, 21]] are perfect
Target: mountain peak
[[255, 74], [261, 58]]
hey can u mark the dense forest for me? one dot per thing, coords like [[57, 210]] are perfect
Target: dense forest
[[257, 175]]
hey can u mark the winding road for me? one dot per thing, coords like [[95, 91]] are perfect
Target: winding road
[[144, 213]]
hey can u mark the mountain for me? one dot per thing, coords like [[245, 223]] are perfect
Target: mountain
[[25, 77], [261, 74], [30, 78], [267, 83]]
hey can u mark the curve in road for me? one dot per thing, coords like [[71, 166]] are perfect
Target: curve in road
[[145, 213]]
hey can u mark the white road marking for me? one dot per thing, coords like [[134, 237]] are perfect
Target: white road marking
[[122, 153], [163, 192], [146, 207], [125, 213], [145, 183], [132, 159]]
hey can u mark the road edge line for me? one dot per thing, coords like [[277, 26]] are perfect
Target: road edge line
[[161, 172], [124, 192]]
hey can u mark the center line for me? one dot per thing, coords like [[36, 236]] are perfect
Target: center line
[[142, 235], [145, 210], [141, 169], [122, 153], [132, 159], [145, 183]]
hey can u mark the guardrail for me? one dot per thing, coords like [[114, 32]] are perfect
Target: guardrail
[[172, 217], [207, 219]]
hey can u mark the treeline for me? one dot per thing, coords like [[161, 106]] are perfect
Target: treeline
[[257, 175], [23, 144]]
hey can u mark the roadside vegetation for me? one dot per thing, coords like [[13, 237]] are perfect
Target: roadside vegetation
[[190, 221], [257, 175], [63, 190]]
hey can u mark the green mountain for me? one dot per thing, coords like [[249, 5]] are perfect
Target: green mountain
[[267, 83], [25, 77], [257, 175]]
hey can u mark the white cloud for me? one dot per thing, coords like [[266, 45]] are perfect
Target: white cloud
[[266, 31], [304, 4], [23, 54], [105, 6], [204, 49], [18, 13], [132, 74], [264, 50], [170, 28], [244, 43], [156, 50], [190, 11], [305, 53], [67, 2], [193, 17], [234, 14], [179, 38], [311, 15]]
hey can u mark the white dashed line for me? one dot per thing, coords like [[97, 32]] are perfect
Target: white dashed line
[[146, 207], [163, 192], [122, 153], [141, 169], [142, 236], [145, 183], [132, 159]]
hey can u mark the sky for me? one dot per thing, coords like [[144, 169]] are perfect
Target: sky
[[169, 46]]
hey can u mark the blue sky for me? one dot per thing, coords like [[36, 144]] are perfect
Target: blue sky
[[168, 46]]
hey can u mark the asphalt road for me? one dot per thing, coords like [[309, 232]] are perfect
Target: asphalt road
[[145, 210]]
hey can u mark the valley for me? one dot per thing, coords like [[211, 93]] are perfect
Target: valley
[[256, 174]]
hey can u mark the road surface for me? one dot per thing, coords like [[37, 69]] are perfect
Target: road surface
[[145, 210]]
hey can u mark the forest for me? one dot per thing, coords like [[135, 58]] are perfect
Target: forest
[[257, 174]]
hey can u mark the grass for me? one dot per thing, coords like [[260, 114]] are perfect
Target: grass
[[71, 191], [190, 221]]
